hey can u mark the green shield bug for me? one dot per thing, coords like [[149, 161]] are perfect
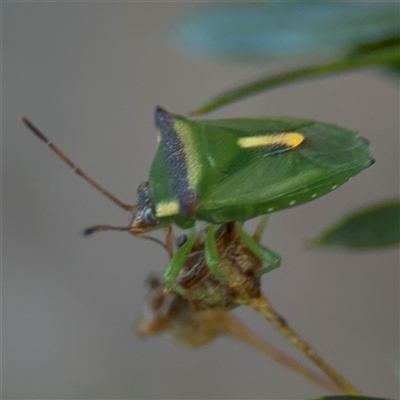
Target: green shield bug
[[224, 170]]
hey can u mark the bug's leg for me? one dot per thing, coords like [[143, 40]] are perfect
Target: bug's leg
[[211, 253], [272, 259], [176, 263], [169, 241], [262, 223]]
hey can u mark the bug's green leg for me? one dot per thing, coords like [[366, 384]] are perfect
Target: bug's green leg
[[176, 264], [211, 253], [272, 259], [261, 227]]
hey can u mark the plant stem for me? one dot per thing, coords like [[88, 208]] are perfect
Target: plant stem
[[264, 307], [238, 330]]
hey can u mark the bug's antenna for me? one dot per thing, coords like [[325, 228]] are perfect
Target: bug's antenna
[[78, 171], [100, 228]]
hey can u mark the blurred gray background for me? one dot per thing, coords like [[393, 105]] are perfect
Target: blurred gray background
[[89, 75]]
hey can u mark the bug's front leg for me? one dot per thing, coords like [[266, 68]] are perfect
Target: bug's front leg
[[268, 256], [176, 263]]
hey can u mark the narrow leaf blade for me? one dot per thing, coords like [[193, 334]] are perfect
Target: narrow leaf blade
[[385, 56]]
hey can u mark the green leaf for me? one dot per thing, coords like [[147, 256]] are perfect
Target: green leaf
[[264, 31], [373, 227], [347, 397], [382, 56], [392, 66]]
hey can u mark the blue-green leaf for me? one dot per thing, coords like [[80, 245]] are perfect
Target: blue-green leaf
[[373, 227], [261, 31]]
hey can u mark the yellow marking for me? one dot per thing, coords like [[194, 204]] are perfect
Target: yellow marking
[[167, 208], [289, 139], [270, 209], [292, 203], [314, 195], [334, 187]]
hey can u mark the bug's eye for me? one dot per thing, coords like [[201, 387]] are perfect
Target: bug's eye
[[148, 216]]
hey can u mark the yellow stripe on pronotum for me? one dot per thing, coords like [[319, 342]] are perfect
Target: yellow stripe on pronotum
[[287, 139], [165, 209]]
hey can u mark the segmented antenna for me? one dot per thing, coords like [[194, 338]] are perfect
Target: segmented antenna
[[78, 171], [96, 228], [101, 228]]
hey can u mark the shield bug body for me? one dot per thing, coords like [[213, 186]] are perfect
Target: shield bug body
[[236, 169], [233, 170]]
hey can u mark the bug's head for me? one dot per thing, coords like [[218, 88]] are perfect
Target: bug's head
[[144, 216]]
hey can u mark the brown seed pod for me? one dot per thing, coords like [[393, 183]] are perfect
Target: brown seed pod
[[239, 265], [200, 316], [167, 312]]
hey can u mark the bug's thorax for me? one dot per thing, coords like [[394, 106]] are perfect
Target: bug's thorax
[[175, 135]]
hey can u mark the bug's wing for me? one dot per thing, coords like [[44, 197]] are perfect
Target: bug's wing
[[327, 158], [230, 144], [257, 187]]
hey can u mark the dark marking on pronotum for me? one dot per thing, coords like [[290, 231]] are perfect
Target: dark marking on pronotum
[[175, 160]]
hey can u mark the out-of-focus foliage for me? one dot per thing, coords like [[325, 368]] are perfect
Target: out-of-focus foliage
[[391, 42], [353, 35], [346, 397], [265, 31], [369, 228]]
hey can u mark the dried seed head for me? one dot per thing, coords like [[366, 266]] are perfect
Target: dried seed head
[[160, 308], [239, 265], [168, 312], [201, 316]]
